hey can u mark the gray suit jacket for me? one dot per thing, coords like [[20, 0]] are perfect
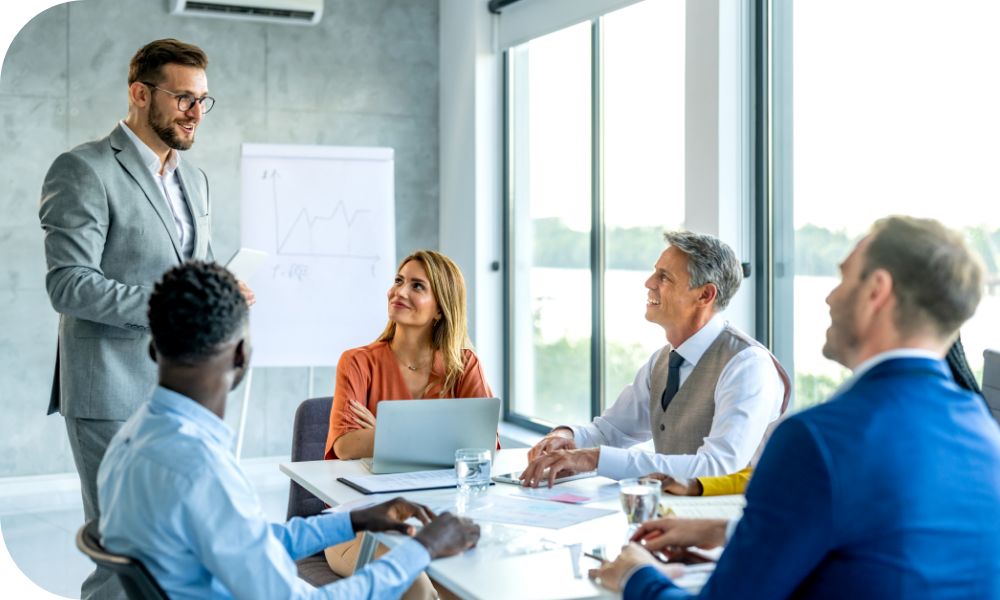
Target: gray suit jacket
[[109, 236]]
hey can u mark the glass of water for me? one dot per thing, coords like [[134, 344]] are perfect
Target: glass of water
[[640, 498], [472, 468]]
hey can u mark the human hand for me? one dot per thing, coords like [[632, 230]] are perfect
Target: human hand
[[390, 516], [559, 438], [448, 535], [672, 535], [559, 462], [362, 416], [614, 575], [681, 487], [248, 294]]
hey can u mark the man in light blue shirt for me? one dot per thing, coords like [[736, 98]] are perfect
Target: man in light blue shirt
[[173, 496]]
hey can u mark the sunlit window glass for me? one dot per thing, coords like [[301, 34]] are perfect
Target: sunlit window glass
[[643, 60], [895, 112], [550, 172]]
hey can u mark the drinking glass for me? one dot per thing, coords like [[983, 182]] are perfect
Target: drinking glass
[[640, 497], [472, 468]]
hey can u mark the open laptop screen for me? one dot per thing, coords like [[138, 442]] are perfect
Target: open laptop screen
[[414, 435]]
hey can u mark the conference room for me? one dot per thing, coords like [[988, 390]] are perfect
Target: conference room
[[541, 149]]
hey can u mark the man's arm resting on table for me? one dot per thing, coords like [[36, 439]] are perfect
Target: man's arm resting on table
[[748, 393], [626, 422], [307, 536], [797, 529], [253, 563]]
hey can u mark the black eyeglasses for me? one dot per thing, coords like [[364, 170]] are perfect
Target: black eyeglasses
[[186, 101]]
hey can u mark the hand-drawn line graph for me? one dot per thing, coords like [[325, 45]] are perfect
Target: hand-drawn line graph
[[331, 235]]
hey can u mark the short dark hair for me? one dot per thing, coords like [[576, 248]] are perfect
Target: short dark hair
[[194, 308], [936, 279], [147, 64]]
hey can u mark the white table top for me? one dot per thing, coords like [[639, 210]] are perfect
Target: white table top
[[509, 561]]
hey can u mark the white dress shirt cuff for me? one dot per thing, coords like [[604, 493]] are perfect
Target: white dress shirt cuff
[[612, 462]]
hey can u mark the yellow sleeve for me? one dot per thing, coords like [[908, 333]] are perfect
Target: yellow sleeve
[[735, 483]]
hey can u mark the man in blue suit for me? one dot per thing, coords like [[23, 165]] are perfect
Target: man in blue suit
[[892, 488]]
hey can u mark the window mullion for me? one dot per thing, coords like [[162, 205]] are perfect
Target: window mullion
[[597, 249]]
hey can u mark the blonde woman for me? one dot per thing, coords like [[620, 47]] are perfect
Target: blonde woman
[[424, 352]]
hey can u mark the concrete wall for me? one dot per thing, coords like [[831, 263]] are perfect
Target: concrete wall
[[367, 75]]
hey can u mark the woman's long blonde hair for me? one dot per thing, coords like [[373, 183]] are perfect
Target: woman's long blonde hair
[[450, 333]]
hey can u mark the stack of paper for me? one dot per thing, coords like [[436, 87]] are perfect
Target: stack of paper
[[703, 507], [402, 482], [514, 511]]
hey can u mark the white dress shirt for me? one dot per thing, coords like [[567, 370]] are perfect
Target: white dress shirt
[[748, 397], [170, 186]]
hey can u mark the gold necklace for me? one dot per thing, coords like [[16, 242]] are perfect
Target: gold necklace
[[412, 367]]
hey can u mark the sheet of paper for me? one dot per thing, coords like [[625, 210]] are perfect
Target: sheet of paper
[[356, 504], [531, 513], [704, 507], [245, 263], [570, 493], [396, 482]]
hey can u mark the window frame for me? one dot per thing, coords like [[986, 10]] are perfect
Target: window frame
[[597, 250], [720, 173]]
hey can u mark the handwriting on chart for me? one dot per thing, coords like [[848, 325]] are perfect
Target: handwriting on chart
[[294, 272]]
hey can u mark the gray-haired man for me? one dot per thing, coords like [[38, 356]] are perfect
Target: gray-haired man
[[704, 399]]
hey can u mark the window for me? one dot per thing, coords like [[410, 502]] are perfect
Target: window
[[549, 82], [643, 56], [595, 172], [894, 113]]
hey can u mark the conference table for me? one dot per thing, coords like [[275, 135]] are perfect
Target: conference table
[[511, 560]]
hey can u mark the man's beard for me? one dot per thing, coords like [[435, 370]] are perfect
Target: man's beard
[[842, 337], [166, 132]]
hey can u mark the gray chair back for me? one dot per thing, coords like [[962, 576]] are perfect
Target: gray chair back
[[137, 581], [309, 430], [991, 381]]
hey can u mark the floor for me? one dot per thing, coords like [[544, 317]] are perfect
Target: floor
[[42, 543]]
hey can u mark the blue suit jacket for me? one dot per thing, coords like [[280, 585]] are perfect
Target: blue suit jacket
[[889, 490]]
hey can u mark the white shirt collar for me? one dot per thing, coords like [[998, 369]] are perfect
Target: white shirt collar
[[878, 359], [149, 158], [695, 346]]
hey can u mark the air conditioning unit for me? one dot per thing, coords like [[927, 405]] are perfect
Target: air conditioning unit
[[298, 12]]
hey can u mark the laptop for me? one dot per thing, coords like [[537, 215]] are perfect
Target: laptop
[[991, 381], [418, 435]]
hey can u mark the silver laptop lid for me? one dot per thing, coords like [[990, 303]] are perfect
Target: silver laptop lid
[[991, 381], [413, 435]]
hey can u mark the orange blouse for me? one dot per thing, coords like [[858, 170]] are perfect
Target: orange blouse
[[370, 374]]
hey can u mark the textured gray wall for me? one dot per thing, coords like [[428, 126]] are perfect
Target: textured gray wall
[[367, 75]]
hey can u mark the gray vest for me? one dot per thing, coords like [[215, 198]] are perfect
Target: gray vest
[[683, 427]]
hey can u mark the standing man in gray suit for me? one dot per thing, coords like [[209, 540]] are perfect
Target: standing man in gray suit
[[117, 213]]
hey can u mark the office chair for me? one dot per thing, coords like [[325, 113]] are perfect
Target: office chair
[[312, 422], [991, 381], [138, 583]]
